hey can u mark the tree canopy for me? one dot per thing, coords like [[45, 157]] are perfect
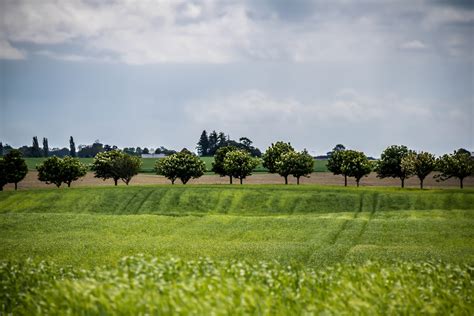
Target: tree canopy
[[355, 164], [218, 164], [273, 154], [183, 165], [390, 163], [459, 165], [116, 165], [239, 164], [420, 164], [16, 168]]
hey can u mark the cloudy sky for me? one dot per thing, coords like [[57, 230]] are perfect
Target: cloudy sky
[[367, 74]]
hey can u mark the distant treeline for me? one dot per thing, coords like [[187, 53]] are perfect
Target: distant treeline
[[83, 151]]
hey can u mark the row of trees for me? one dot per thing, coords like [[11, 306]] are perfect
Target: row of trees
[[403, 163], [209, 145], [230, 161], [114, 164], [84, 151]]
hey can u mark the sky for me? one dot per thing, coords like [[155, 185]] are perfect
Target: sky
[[367, 74]]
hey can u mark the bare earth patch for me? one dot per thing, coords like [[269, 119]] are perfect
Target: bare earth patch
[[323, 178]]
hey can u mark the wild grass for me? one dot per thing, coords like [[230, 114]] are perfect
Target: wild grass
[[150, 286], [262, 249]]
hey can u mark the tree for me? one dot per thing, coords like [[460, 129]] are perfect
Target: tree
[[72, 169], [420, 164], [239, 164], [145, 151], [16, 167], [128, 166], [338, 147], [45, 147], [35, 149], [303, 165], [1, 149], [390, 164], [72, 147], [183, 165], [218, 164], [459, 165], [115, 165], [355, 164], [335, 162], [203, 144], [284, 165], [3, 174], [273, 153], [213, 143], [50, 171]]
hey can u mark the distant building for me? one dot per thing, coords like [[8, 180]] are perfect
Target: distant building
[[153, 155]]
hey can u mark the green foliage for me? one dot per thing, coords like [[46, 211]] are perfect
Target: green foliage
[[50, 171], [273, 154], [459, 165], [115, 165], [61, 170], [3, 174], [35, 150], [303, 165], [203, 144], [390, 163], [355, 164], [141, 285], [72, 169], [72, 147], [218, 163], [420, 164], [15, 167], [239, 164], [183, 165], [335, 163], [295, 164]]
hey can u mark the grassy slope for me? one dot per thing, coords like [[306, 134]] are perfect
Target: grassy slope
[[306, 225], [148, 164]]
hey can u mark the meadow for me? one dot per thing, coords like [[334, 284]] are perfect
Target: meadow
[[255, 249], [148, 164]]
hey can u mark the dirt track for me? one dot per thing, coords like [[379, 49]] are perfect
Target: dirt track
[[325, 178]]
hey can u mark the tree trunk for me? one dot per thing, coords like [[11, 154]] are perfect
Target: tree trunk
[[403, 182], [357, 181], [230, 179], [115, 181], [461, 180], [16, 186], [345, 180], [241, 180], [69, 184], [421, 183], [286, 179], [1, 188], [297, 180], [172, 181]]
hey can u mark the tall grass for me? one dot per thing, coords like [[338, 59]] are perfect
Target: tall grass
[[151, 286], [246, 200]]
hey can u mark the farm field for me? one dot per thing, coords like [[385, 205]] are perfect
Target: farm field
[[320, 178], [258, 249], [148, 164]]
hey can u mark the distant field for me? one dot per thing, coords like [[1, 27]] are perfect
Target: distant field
[[253, 249], [148, 164]]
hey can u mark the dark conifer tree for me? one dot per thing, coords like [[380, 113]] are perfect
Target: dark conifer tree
[[45, 147]]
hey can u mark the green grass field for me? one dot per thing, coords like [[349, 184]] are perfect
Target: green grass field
[[148, 164], [264, 249]]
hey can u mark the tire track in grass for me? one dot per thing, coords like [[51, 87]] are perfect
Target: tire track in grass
[[125, 205], [363, 229], [144, 199]]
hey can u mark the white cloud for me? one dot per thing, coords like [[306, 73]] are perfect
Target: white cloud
[[143, 32], [415, 44], [7, 51], [254, 107]]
